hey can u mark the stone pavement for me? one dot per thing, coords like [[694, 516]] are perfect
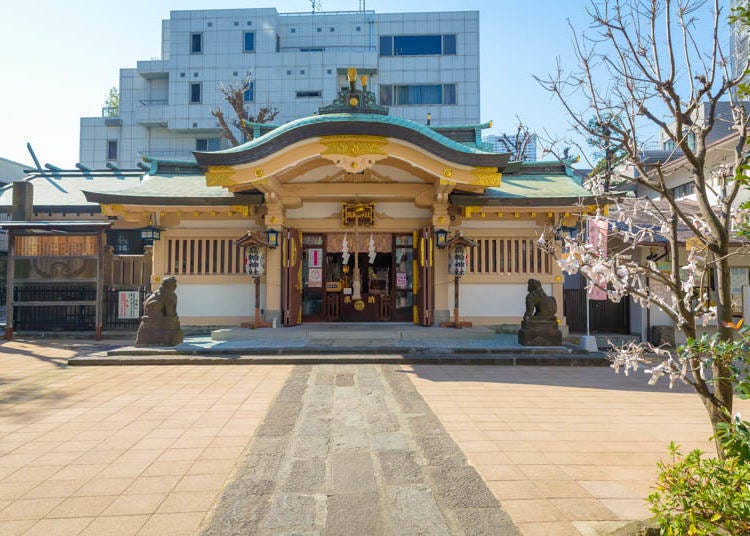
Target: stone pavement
[[566, 451], [354, 450], [103, 450], [156, 450]]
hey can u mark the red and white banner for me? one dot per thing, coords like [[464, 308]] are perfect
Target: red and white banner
[[597, 234], [315, 258]]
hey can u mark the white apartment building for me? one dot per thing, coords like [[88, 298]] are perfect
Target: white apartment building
[[506, 143], [418, 64]]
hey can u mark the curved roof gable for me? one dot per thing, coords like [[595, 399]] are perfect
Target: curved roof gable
[[352, 124]]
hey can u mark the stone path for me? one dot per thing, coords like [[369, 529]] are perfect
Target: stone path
[[354, 450]]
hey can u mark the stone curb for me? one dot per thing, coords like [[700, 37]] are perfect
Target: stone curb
[[564, 360], [370, 350]]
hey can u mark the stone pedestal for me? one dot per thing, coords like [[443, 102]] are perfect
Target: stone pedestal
[[539, 333], [159, 331], [663, 336]]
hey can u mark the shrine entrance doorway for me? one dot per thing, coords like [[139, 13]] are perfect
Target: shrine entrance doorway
[[385, 263]]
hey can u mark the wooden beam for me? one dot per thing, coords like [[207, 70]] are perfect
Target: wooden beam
[[9, 282]]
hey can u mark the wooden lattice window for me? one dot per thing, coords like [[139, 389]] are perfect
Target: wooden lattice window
[[508, 256], [204, 256]]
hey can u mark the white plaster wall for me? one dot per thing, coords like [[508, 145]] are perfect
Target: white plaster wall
[[218, 224], [314, 210], [403, 210], [501, 299], [500, 224], [217, 300], [390, 209]]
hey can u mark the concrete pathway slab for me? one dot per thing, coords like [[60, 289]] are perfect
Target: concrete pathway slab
[[564, 450], [105, 450]]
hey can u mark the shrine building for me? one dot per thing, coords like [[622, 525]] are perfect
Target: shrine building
[[355, 205]]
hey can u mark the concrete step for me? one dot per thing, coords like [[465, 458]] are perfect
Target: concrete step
[[376, 348], [354, 332], [507, 359]]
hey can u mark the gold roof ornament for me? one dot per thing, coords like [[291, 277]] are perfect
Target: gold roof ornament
[[353, 100]]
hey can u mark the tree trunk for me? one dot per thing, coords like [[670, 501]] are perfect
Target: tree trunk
[[717, 416]]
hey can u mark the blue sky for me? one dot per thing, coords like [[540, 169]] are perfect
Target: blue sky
[[60, 58]]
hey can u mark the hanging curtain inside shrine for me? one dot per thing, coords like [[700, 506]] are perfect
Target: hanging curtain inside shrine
[[383, 242]]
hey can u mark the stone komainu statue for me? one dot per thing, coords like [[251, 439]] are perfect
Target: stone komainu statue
[[160, 325], [539, 306], [539, 326]]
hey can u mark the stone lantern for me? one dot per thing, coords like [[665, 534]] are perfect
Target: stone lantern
[[255, 266], [458, 251]]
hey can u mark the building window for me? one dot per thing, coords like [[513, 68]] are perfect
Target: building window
[[449, 93], [493, 256], [358, 29], [208, 144], [386, 45], [303, 94], [203, 256], [278, 43], [292, 30], [112, 150], [691, 140], [249, 94], [417, 94], [417, 45], [683, 190], [386, 94], [449, 44], [195, 93], [196, 43], [249, 42]]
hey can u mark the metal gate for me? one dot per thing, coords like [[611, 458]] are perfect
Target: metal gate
[[111, 311]]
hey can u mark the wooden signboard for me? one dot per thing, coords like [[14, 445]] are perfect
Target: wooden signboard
[[53, 246]]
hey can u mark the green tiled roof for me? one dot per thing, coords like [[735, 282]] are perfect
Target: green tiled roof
[[363, 118], [171, 190], [521, 185], [66, 192], [525, 188]]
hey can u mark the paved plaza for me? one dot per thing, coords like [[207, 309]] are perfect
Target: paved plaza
[[327, 449]]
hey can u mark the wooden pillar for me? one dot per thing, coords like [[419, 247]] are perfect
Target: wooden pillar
[[442, 286], [274, 218], [99, 284], [9, 282]]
